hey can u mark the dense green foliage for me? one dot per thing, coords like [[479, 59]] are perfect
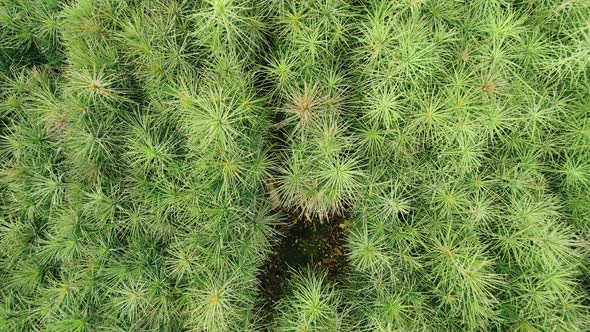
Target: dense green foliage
[[151, 150]]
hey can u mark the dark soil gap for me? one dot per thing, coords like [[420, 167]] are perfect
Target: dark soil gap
[[304, 243]]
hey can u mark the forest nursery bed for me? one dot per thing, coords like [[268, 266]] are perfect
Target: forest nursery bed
[[294, 165]]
